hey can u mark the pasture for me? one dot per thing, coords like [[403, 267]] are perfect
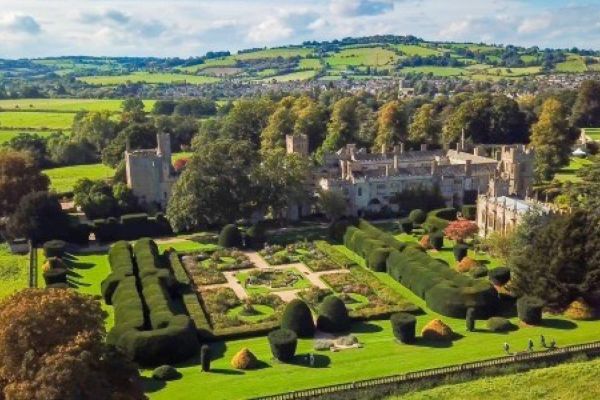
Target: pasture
[[362, 56], [415, 50], [293, 76], [6, 135], [573, 64], [63, 179], [66, 105], [147, 77], [36, 120], [435, 71]]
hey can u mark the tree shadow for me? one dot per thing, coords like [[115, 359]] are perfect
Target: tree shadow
[[217, 350], [303, 360], [224, 371], [439, 344], [261, 365], [81, 265], [73, 274], [556, 323], [152, 385], [365, 327]]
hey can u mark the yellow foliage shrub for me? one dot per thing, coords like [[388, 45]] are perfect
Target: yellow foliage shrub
[[244, 359], [437, 330], [424, 242], [466, 264], [579, 310]]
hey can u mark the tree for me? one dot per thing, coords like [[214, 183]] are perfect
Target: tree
[[550, 139], [52, 347], [94, 127], [38, 217], [311, 121], [586, 110], [133, 110], [33, 144], [342, 126], [332, 203], [460, 230], [216, 187], [391, 121], [499, 245], [63, 150], [139, 136], [95, 198], [473, 117], [280, 124], [247, 119], [18, 177], [424, 126]]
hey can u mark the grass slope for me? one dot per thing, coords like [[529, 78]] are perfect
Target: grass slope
[[66, 105], [13, 271], [569, 173], [563, 382], [36, 120], [146, 77], [363, 56], [63, 179], [5, 136]]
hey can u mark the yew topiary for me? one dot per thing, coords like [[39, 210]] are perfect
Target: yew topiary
[[460, 251], [403, 326], [499, 276], [437, 330], [529, 309], [579, 310], [244, 359], [298, 318], [333, 315], [283, 343], [165, 373], [230, 236], [417, 216]]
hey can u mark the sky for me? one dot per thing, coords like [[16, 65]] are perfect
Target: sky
[[184, 28]]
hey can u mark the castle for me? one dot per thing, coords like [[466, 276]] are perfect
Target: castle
[[150, 173]]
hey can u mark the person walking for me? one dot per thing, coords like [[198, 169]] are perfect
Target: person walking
[[507, 348], [530, 346]]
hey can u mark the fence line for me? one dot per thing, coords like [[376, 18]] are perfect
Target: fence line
[[556, 354]]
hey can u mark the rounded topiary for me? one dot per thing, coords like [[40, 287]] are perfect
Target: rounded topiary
[[479, 271], [60, 285], [470, 319], [417, 216], [205, 357], [579, 310], [403, 326], [298, 318], [460, 251], [283, 344], [56, 275], [499, 276], [55, 248], [499, 324], [244, 359], [230, 236], [256, 236], [436, 240], [406, 225], [165, 373], [529, 309], [437, 330], [376, 259], [333, 315]]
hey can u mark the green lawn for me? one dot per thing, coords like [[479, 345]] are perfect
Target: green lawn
[[415, 50], [436, 71], [70, 105], [5, 136], [63, 179], [36, 120], [367, 56], [187, 245], [569, 381], [292, 76], [147, 77], [569, 172], [14, 273], [593, 133]]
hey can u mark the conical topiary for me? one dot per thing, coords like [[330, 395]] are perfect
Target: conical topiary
[[244, 359], [437, 330], [579, 310], [298, 318]]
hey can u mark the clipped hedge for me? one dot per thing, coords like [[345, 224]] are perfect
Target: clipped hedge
[[404, 326], [417, 216], [131, 227], [499, 324], [460, 251], [500, 276], [182, 279], [298, 318], [436, 240], [230, 236], [333, 315], [438, 220], [55, 248], [377, 259], [529, 309], [469, 212], [406, 225], [283, 343]]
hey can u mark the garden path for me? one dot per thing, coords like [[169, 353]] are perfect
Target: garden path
[[233, 283]]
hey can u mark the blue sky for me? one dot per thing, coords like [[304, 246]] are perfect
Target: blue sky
[[36, 28]]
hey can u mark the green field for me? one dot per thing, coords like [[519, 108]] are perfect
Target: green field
[[147, 77], [364, 56], [414, 50], [63, 179], [13, 271], [309, 63], [5, 136], [293, 76], [569, 172], [36, 120], [574, 63], [436, 71], [593, 133], [287, 52], [577, 380], [66, 105]]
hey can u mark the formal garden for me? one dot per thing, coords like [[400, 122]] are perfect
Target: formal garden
[[223, 315]]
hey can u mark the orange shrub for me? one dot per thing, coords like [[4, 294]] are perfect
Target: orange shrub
[[437, 330], [244, 359], [579, 310], [466, 264], [424, 242]]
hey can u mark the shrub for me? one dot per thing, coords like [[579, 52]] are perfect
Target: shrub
[[529, 309], [479, 271], [298, 318], [337, 229], [449, 213], [470, 320], [403, 326], [499, 324], [469, 212], [165, 373], [54, 248], [499, 276], [417, 216], [256, 236], [283, 344], [377, 258], [244, 359], [349, 340], [436, 240], [56, 275], [466, 264], [460, 251], [323, 344], [437, 330], [424, 242], [579, 310], [333, 315], [205, 357], [406, 225], [460, 230], [230, 236]]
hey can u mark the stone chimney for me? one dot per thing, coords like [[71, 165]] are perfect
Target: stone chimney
[[396, 149], [424, 147], [396, 162], [468, 167], [344, 169], [387, 170], [434, 167], [477, 151]]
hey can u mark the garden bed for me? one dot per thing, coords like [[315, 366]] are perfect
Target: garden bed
[[305, 252], [265, 281]]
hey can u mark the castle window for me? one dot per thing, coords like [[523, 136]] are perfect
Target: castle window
[[360, 191]]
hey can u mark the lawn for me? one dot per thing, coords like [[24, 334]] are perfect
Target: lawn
[[36, 120], [415, 50], [436, 71], [5, 136], [559, 382], [593, 133], [67, 105], [366, 56], [63, 179], [292, 76], [574, 63], [147, 77], [14, 273], [569, 173]]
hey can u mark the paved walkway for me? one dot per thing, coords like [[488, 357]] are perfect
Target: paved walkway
[[233, 283]]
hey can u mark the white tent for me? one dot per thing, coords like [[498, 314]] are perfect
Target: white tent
[[579, 153]]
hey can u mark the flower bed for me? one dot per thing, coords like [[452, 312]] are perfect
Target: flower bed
[[264, 281], [308, 253], [202, 275]]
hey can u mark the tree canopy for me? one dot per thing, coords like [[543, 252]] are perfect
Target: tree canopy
[[18, 177]]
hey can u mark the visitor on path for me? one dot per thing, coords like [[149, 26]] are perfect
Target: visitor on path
[[543, 341], [530, 346], [507, 348], [552, 344]]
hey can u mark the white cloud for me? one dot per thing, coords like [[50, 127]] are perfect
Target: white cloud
[[354, 8], [19, 23], [282, 26]]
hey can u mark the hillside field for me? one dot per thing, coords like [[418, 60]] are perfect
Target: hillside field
[[147, 77]]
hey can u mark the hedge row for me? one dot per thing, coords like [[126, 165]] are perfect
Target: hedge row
[[131, 227], [197, 314], [182, 279], [334, 254], [444, 290], [438, 220], [147, 327]]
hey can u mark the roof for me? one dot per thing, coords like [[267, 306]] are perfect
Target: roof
[[522, 206]]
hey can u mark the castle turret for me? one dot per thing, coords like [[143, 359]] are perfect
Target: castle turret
[[297, 144]]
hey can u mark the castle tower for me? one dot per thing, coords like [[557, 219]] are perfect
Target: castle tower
[[163, 150], [296, 144]]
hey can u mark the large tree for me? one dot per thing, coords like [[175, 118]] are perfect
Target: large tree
[[52, 348], [586, 110], [18, 177], [424, 126], [550, 139], [343, 125], [216, 187], [247, 119], [332, 203], [280, 124], [391, 121], [95, 127]]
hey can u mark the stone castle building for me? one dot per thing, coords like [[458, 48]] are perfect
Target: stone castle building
[[502, 214], [150, 172]]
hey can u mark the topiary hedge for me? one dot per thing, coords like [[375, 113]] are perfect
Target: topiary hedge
[[298, 318], [165, 373], [230, 236], [130, 227], [469, 212], [417, 216], [499, 324], [436, 240], [438, 220], [404, 326], [529, 309], [256, 236], [377, 259], [460, 251], [283, 344], [55, 276], [333, 315], [499, 276], [338, 228], [406, 225], [55, 248]]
